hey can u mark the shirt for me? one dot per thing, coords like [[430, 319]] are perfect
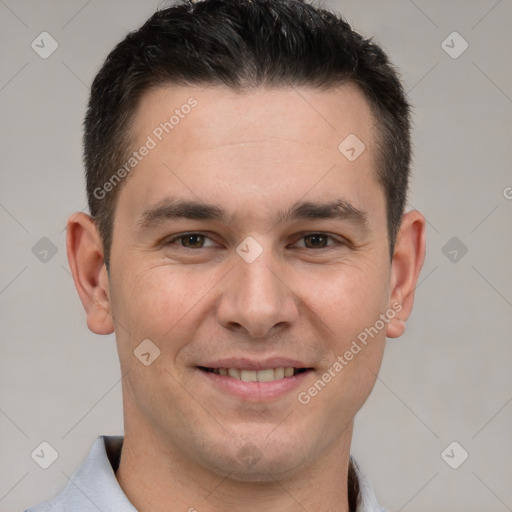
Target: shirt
[[94, 487]]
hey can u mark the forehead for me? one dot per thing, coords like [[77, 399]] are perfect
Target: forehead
[[316, 118], [263, 144]]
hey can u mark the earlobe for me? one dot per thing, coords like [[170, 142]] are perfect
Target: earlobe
[[85, 256], [408, 258]]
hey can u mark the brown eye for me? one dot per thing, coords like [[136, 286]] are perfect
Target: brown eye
[[189, 241], [316, 241], [194, 241]]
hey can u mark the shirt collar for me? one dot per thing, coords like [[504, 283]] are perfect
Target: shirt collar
[[94, 487]]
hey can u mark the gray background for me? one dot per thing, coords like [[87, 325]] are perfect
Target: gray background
[[447, 379]]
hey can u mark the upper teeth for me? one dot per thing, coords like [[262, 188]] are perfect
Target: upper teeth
[[256, 375]]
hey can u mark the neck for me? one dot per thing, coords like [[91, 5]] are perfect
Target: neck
[[156, 477]]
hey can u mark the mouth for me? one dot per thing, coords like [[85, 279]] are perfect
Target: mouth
[[249, 375], [255, 382]]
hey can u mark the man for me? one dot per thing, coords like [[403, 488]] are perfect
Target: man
[[247, 167]]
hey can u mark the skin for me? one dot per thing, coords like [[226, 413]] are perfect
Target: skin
[[252, 153]]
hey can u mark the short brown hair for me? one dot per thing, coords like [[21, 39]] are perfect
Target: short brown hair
[[241, 44]]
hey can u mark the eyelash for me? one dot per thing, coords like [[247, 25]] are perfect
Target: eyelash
[[176, 238]]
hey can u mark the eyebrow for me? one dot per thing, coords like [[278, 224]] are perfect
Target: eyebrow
[[169, 209], [339, 209]]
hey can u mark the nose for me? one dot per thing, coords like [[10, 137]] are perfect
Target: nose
[[256, 298]]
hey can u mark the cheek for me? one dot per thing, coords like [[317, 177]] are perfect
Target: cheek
[[149, 303], [348, 303], [161, 290], [348, 298]]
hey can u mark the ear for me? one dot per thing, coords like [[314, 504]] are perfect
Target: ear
[[408, 258], [85, 256]]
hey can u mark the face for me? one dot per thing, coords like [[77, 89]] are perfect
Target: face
[[279, 259]]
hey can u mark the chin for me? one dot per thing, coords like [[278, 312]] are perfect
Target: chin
[[258, 460]]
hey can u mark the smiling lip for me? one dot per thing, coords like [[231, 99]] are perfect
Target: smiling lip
[[247, 368], [253, 364]]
